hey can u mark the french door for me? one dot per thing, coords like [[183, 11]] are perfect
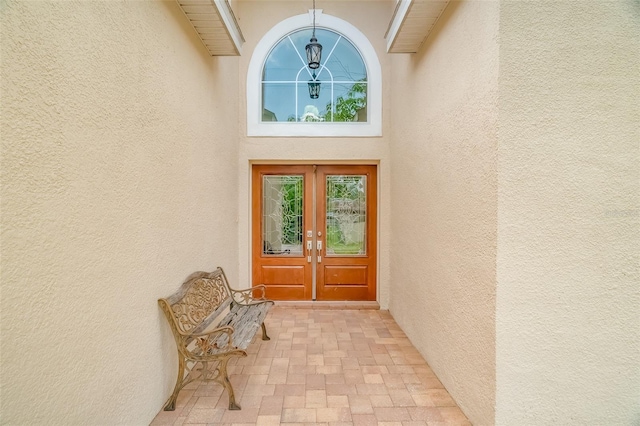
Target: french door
[[314, 231]]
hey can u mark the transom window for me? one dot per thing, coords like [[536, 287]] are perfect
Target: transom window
[[349, 79], [335, 92]]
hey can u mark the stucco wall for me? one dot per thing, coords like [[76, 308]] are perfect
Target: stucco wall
[[263, 15], [444, 201], [568, 294], [118, 180]]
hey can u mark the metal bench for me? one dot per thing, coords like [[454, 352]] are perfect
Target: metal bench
[[191, 311]]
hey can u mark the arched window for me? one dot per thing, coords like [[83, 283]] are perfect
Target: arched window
[[335, 92], [340, 98]]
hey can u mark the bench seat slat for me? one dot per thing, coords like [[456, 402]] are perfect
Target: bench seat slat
[[245, 320]]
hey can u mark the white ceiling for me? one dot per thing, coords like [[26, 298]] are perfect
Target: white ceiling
[[411, 24], [216, 25]]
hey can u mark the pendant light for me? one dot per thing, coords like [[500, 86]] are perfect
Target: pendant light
[[314, 49], [314, 87]]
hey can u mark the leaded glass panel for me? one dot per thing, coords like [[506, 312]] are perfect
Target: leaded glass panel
[[346, 215], [282, 209]]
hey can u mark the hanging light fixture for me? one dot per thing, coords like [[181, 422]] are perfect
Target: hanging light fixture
[[314, 49], [314, 87]]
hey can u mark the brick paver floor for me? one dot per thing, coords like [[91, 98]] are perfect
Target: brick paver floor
[[324, 367]]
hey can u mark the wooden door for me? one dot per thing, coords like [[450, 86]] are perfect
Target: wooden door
[[346, 222], [281, 212], [314, 231]]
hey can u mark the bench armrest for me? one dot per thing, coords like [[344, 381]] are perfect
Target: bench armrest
[[209, 342], [246, 297]]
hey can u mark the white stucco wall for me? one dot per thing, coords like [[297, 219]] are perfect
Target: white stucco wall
[[118, 180], [263, 15], [568, 292], [444, 201]]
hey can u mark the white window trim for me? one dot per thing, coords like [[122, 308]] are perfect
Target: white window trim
[[255, 126]]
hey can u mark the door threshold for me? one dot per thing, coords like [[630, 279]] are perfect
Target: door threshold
[[311, 304]]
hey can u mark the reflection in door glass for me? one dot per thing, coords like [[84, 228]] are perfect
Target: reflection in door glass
[[346, 215], [282, 215]]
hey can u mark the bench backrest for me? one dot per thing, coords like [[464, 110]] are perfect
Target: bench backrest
[[200, 300]]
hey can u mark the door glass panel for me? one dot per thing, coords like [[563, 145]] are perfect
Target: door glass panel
[[282, 215], [346, 215]]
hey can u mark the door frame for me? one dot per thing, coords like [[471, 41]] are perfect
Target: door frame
[[374, 163]]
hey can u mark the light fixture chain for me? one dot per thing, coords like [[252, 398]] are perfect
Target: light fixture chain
[[314, 18]]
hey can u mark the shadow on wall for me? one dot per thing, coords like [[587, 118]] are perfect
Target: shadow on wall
[[442, 22]]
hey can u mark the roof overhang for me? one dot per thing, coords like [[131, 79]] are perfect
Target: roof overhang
[[411, 24], [215, 24]]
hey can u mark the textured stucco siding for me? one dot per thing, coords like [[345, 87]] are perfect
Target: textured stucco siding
[[118, 180], [568, 293], [444, 202]]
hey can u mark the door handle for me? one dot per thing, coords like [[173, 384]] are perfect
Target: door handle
[[319, 248], [309, 247]]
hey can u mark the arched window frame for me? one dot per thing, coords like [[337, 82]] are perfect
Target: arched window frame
[[255, 125]]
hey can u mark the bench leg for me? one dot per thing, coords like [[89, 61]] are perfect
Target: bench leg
[[264, 332], [171, 403], [227, 385]]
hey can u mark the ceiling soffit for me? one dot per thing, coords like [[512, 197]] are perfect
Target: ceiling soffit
[[411, 24], [215, 24]]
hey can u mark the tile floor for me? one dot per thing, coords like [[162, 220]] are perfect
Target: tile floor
[[324, 367]]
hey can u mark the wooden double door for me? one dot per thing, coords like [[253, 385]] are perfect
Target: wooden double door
[[314, 231]]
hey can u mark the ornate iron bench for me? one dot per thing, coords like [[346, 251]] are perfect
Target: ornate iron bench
[[191, 311]]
